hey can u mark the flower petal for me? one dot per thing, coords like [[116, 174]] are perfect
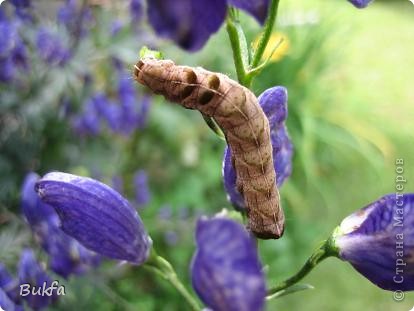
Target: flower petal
[[379, 239], [257, 8], [96, 215], [226, 271], [189, 23]]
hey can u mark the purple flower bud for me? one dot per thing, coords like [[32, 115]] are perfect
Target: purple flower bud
[[378, 241], [64, 252], [30, 272], [360, 4], [50, 48], [96, 215], [274, 104], [226, 271], [257, 8], [142, 193]]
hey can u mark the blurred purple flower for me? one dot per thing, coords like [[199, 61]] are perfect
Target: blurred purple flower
[[171, 238], [378, 241], [8, 37], [136, 10], [88, 123], [274, 104], [76, 18], [66, 255], [165, 212], [34, 210], [142, 193], [226, 271], [19, 55], [21, 3], [96, 215], [31, 272], [360, 3], [7, 69], [9, 285], [6, 303], [50, 48], [190, 23], [116, 27]]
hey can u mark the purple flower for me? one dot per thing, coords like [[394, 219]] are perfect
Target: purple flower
[[50, 48], [96, 215], [226, 271], [88, 123], [378, 241], [66, 255], [142, 193], [31, 272], [136, 9], [9, 285], [190, 23], [6, 303], [360, 3], [8, 37], [75, 18], [21, 3], [274, 104], [7, 69]]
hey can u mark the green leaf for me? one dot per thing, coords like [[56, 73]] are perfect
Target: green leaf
[[145, 52]]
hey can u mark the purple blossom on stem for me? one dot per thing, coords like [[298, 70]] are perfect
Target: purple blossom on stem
[[190, 23], [274, 104], [97, 216], [31, 272], [368, 240], [226, 271]]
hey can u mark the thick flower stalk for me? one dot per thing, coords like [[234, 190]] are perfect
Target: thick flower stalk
[[226, 270], [378, 241], [96, 215], [274, 104]]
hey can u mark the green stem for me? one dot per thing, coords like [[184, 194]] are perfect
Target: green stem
[[162, 267], [238, 44], [327, 249], [267, 31]]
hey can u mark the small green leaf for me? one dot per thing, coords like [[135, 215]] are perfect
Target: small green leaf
[[145, 52], [290, 290]]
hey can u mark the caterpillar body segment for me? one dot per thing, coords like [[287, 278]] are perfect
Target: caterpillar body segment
[[246, 128]]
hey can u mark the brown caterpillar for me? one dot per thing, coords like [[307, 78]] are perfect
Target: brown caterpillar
[[246, 128]]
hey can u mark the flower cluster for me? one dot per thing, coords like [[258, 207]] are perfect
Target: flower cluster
[[123, 115], [274, 104]]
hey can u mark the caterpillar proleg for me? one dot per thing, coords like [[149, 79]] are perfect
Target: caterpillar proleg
[[236, 110]]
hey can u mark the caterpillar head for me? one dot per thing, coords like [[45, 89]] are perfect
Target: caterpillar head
[[149, 68]]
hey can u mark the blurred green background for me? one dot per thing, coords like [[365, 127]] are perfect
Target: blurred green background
[[349, 74]]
